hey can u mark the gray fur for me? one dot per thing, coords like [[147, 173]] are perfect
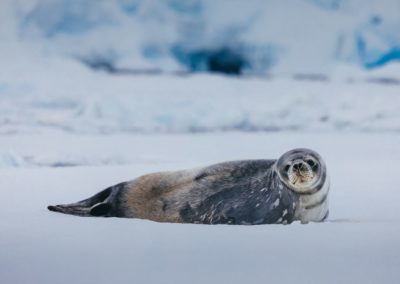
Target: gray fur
[[240, 192]]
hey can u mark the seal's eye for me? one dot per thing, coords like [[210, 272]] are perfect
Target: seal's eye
[[287, 167], [311, 163]]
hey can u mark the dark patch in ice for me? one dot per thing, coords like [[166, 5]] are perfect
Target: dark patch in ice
[[99, 61], [222, 60], [108, 64], [64, 164]]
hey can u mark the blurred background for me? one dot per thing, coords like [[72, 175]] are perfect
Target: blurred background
[[96, 67], [301, 37]]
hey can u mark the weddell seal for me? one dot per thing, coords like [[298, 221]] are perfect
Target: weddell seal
[[249, 192]]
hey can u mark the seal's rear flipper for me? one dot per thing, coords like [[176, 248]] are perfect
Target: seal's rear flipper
[[72, 209], [100, 209], [96, 205]]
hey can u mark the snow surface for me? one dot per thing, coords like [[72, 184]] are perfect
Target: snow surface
[[359, 242]]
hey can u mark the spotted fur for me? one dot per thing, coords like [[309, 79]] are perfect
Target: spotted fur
[[240, 192]]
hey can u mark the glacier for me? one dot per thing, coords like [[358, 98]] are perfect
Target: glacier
[[256, 37], [297, 66]]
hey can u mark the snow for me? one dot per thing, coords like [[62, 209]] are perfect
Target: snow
[[66, 132], [359, 242], [56, 95]]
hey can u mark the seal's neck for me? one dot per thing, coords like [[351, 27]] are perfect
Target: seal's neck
[[314, 207]]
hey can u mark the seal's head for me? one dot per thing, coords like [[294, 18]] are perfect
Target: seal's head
[[302, 170]]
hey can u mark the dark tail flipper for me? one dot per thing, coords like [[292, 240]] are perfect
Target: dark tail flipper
[[97, 205]]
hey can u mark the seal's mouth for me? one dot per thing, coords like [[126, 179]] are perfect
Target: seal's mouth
[[300, 172]]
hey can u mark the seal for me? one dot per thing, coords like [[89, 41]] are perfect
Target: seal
[[294, 187]]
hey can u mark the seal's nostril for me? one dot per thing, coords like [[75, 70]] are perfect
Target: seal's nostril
[[298, 165]]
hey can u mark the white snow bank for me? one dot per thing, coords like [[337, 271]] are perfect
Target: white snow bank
[[52, 95]]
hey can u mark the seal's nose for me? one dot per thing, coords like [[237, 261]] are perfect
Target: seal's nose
[[299, 165]]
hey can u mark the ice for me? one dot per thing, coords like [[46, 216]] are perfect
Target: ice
[[359, 242], [277, 37], [44, 90], [68, 98]]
